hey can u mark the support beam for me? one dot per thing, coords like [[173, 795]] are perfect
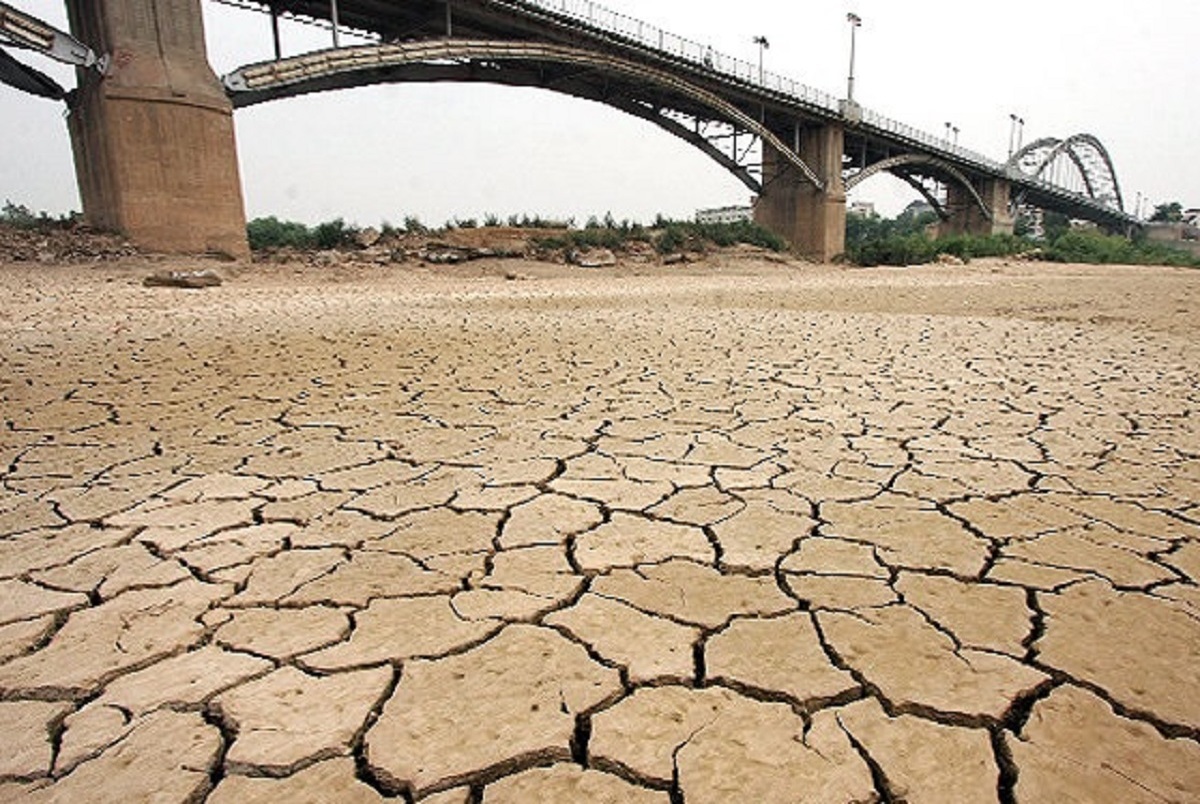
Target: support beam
[[154, 144], [965, 215], [812, 220]]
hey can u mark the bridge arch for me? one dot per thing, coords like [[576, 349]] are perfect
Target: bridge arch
[[516, 63], [1086, 152], [896, 165]]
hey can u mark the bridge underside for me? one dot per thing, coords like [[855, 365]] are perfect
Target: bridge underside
[[718, 127]]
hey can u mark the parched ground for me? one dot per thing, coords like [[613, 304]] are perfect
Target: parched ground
[[745, 531]]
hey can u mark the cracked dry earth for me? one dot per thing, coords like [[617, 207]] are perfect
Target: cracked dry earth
[[748, 532]]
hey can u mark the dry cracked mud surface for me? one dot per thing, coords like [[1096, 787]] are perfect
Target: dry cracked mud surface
[[738, 532]]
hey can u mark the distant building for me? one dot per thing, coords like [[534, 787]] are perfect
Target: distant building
[[725, 215], [916, 209], [863, 209], [1034, 221]]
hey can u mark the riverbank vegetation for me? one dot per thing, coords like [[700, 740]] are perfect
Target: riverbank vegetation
[[664, 235], [910, 239]]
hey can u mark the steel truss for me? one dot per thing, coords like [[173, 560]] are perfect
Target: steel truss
[[925, 174], [699, 116], [23, 32], [1080, 164]]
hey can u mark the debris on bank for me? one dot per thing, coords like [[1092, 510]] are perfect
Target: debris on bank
[[188, 280], [75, 244], [674, 243], [592, 258]]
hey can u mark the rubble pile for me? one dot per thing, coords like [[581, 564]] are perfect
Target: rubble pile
[[447, 248], [73, 244]]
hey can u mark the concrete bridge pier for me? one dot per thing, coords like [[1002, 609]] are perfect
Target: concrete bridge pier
[[967, 217], [155, 154], [811, 219]]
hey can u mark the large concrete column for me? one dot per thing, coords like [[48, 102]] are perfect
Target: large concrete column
[[154, 145], [966, 216], [813, 221]]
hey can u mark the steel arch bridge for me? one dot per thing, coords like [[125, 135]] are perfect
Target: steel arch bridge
[[1080, 162]]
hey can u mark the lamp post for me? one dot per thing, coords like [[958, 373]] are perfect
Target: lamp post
[[275, 33], [948, 127], [855, 23], [333, 17], [763, 45], [1012, 134], [956, 129]]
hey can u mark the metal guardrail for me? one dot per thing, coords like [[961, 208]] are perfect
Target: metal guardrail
[[636, 31], [595, 15]]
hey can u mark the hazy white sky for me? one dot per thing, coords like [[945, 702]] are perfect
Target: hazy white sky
[[1127, 73]]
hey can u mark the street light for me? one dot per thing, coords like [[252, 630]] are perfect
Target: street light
[[763, 45], [855, 23], [1012, 134], [956, 136], [948, 127]]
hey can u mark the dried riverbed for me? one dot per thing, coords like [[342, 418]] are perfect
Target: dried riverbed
[[744, 530]]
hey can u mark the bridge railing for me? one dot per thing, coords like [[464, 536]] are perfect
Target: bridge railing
[[935, 143], [651, 36], [643, 33]]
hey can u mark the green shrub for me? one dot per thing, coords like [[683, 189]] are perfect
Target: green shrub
[[895, 249], [888, 245], [334, 233], [1085, 246], [270, 232], [1093, 247], [22, 217], [680, 235], [538, 222], [667, 236]]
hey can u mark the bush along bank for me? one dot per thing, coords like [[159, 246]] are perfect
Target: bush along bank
[[548, 238], [665, 236], [1077, 246]]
